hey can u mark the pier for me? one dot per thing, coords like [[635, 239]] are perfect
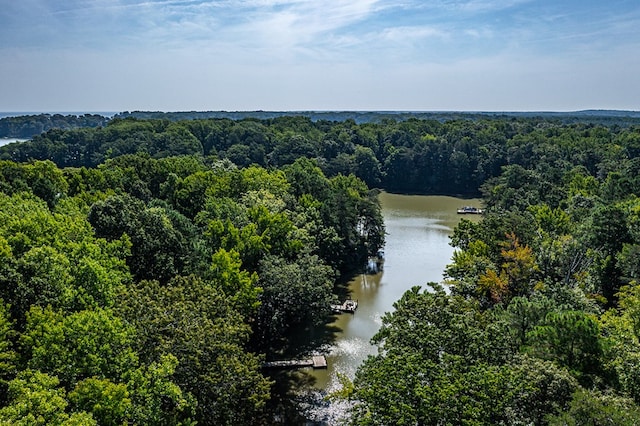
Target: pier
[[316, 361], [349, 306]]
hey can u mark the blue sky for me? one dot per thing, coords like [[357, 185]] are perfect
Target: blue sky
[[492, 55]]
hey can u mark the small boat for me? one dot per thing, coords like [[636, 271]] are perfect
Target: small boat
[[470, 210], [348, 306]]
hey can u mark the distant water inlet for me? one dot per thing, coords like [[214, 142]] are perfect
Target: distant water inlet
[[416, 252], [6, 141]]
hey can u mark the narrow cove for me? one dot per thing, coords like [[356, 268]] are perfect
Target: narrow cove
[[416, 252]]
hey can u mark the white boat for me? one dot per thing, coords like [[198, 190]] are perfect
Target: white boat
[[470, 210]]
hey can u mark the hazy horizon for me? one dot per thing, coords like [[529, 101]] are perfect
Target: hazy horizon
[[112, 113]]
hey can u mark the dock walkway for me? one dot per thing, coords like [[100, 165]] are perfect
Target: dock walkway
[[316, 361]]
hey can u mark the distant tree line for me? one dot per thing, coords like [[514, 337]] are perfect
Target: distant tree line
[[26, 126], [603, 117], [411, 156]]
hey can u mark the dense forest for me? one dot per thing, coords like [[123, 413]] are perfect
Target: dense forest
[[540, 325], [150, 266], [149, 291]]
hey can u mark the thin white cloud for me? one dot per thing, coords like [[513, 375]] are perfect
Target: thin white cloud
[[303, 20], [412, 33], [480, 32], [476, 6], [469, 7]]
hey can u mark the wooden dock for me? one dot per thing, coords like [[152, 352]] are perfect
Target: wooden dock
[[349, 306], [316, 361]]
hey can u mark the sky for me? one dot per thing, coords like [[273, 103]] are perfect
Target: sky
[[298, 55]]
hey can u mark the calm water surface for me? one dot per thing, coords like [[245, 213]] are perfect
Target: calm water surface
[[417, 250]]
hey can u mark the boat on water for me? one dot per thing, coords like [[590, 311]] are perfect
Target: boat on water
[[470, 210], [349, 306]]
